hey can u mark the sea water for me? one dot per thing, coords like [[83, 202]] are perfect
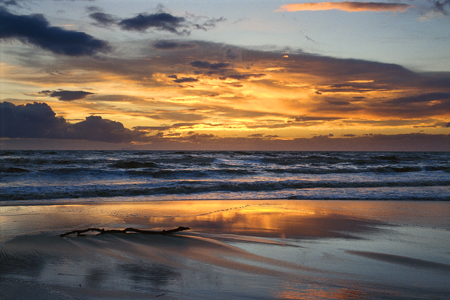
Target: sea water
[[200, 175]]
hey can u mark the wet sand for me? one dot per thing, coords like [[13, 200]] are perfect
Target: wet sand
[[234, 250]]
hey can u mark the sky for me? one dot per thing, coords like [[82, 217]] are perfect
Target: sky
[[225, 75]]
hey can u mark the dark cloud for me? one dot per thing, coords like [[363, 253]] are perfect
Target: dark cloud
[[94, 128], [223, 69], [422, 98], [440, 6], [173, 45], [242, 76], [160, 21], [164, 128], [211, 23], [415, 106], [35, 29], [152, 128], [38, 120], [330, 68], [9, 2], [337, 102], [67, 95], [448, 125], [116, 98], [186, 125], [308, 118], [103, 19], [35, 120], [198, 138], [166, 22], [232, 54], [352, 87], [208, 65], [310, 39], [256, 135], [93, 8], [185, 79]]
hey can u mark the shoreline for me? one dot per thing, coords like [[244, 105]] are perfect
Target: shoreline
[[113, 200]]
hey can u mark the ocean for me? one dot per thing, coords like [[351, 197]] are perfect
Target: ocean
[[102, 176]]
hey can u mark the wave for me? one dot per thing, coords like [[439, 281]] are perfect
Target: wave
[[199, 187], [34, 175], [14, 170], [132, 164], [151, 170]]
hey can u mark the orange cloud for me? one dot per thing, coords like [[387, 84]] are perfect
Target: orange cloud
[[346, 6]]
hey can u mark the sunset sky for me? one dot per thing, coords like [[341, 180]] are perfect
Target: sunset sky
[[225, 75]]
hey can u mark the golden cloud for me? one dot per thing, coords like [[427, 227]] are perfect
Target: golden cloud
[[346, 6]]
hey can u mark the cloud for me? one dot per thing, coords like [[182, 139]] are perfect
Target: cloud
[[164, 21], [103, 19], [256, 135], [351, 89], [242, 76], [198, 138], [165, 128], [37, 120], [9, 2], [429, 97], [160, 21], [208, 65], [183, 79], [35, 29], [440, 6], [223, 68], [211, 23], [415, 106], [448, 125], [67, 95], [177, 115], [173, 45], [346, 6], [94, 128], [308, 118]]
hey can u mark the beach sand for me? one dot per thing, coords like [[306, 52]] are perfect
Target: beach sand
[[234, 250]]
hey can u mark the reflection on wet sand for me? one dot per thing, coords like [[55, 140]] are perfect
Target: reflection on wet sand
[[132, 262], [331, 293], [403, 260], [236, 249], [267, 220], [282, 219]]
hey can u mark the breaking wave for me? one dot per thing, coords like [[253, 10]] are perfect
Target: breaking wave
[[38, 175]]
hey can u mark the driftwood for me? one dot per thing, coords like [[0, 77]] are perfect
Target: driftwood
[[103, 231]]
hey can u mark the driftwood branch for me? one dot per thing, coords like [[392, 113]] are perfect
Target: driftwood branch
[[126, 230]]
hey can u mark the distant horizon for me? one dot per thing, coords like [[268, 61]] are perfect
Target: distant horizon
[[403, 143]]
